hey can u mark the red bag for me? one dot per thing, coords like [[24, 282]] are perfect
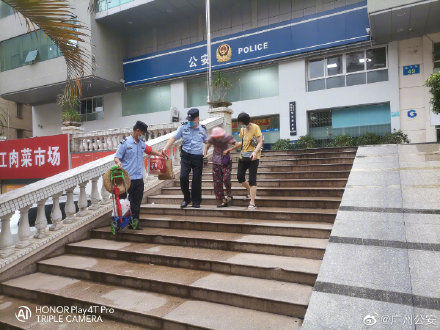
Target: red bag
[[158, 165]]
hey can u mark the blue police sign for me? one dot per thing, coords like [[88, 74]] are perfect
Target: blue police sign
[[411, 69], [327, 29], [412, 113]]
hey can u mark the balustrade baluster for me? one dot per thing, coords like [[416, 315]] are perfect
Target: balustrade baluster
[[70, 208], [105, 195], [56, 215], [94, 195], [24, 232], [6, 241], [82, 202], [41, 221]]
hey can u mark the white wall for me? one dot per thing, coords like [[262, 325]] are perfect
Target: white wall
[[292, 87], [413, 93]]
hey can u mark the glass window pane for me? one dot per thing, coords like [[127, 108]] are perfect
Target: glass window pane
[[89, 105], [437, 67], [334, 65], [375, 76], [437, 51], [146, 99], [356, 79], [376, 58], [333, 82], [355, 61], [316, 68], [83, 107], [315, 85]]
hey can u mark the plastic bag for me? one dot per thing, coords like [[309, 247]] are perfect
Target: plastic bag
[[158, 165], [169, 173], [125, 208]]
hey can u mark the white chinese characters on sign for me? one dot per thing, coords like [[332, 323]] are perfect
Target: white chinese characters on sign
[[192, 62], [53, 157]]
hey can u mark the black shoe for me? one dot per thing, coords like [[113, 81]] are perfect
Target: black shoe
[[184, 204], [196, 205]]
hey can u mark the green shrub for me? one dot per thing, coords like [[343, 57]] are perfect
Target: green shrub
[[306, 141], [368, 138], [434, 83], [343, 140], [282, 144], [396, 137]]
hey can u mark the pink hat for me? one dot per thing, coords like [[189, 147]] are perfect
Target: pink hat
[[217, 132]]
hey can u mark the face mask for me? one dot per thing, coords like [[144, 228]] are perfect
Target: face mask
[[192, 123], [243, 126]]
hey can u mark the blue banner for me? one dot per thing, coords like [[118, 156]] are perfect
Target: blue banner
[[332, 28]]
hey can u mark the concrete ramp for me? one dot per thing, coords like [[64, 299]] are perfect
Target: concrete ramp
[[381, 268]]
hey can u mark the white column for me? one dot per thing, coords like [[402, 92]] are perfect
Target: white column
[[82, 202], [226, 113], [56, 215], [94, 195], [70, 208], [105, 195], [115, 141], [6, 241], [24, 233], [82, 145], [41, 221]]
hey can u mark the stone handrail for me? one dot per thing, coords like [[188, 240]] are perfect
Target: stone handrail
[[109, 139], [53, 187]]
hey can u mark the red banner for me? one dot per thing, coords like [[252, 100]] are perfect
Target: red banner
[[34, 158]]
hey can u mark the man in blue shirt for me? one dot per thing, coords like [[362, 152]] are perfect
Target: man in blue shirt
[[130, 156], [193, 135]]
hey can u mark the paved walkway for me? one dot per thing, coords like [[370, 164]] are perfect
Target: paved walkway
[[381, 269]]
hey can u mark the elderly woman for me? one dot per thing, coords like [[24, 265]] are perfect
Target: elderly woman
[[221, 164]]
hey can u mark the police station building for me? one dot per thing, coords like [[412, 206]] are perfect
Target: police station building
[[323, 67]]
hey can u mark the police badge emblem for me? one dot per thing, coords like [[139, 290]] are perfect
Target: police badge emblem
[[224, 53]]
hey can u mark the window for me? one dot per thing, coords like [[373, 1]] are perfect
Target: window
[[354, 121], [147, 99], [437, 57], [247, 84], [20, 110], [24, 49], [92, 109], [20, 133], [5, 10], [354, 68]]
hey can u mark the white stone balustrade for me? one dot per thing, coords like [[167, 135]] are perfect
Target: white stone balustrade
[[53, 187], [109, 139]]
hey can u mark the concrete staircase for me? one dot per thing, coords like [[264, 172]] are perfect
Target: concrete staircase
[[211, 267]]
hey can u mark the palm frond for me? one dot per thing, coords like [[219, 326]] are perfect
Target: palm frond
[[57, 20]]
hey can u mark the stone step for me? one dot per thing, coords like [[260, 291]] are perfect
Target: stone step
[[314, 150], [305, 161], [294, 168], [269, 157], [261, 201], [275, 213], [312, 248], [10, 306], [236, 225], [270, 296], [277, 183], [264, 191], [272, 267], [148, 309], [291, 175]]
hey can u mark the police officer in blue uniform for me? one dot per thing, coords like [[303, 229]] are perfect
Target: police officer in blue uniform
[[193, 136], [130, 156]]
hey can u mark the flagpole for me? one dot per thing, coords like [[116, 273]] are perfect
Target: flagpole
[[208, 46]]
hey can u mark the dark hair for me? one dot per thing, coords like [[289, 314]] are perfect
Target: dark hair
[[140, 125], [244, 118]]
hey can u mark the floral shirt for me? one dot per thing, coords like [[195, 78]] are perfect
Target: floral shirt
[[220, 146]]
